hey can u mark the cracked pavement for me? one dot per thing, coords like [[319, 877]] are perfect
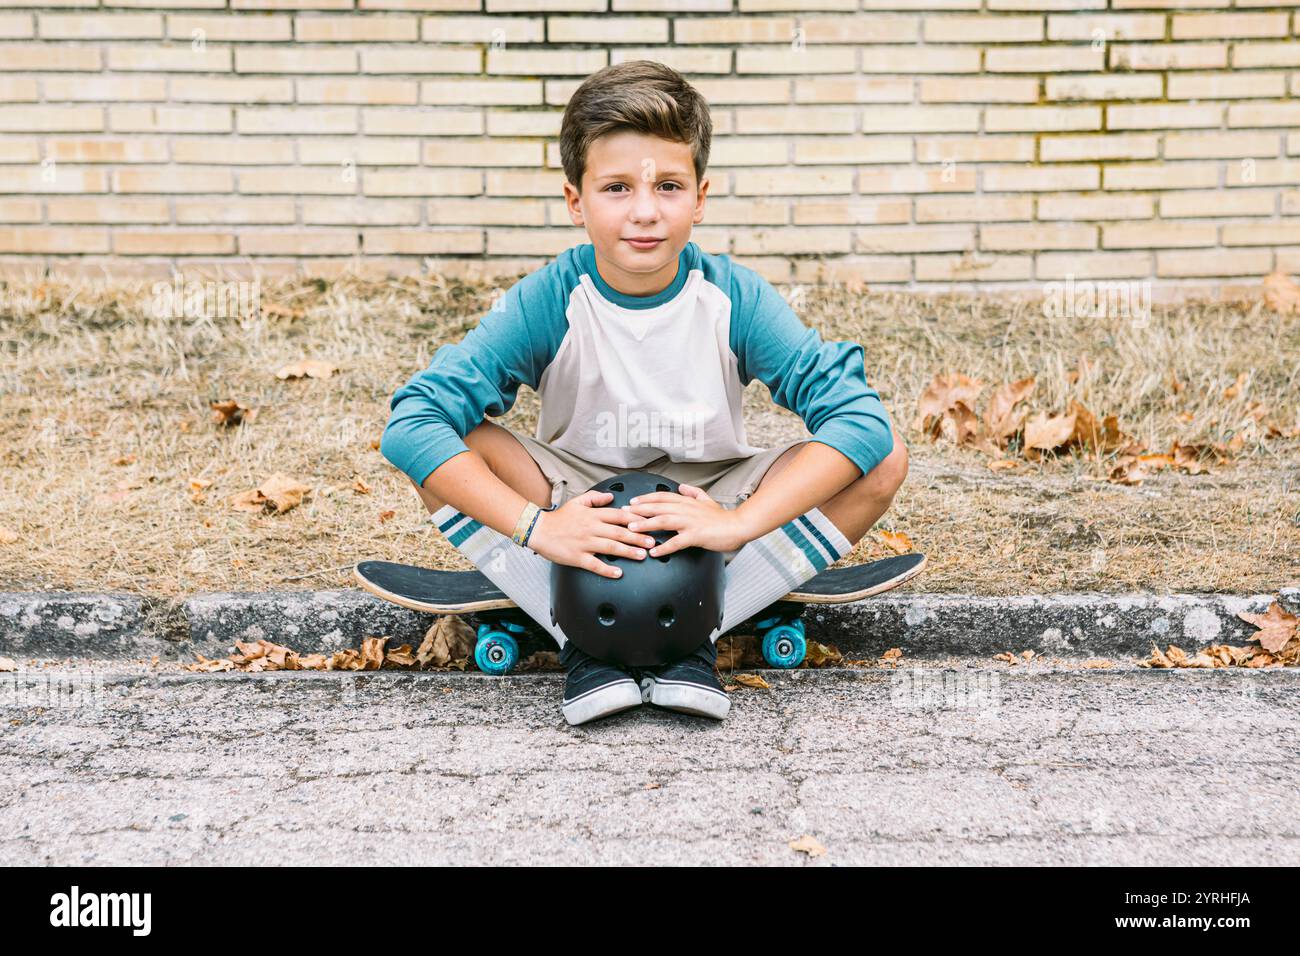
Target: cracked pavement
[[1027, 765]]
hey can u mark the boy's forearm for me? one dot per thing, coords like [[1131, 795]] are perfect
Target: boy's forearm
[[466, 483], [814, 476]]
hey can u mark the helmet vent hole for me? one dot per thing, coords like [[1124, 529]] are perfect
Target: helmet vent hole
[[605, 614], [662, 487], [616, 486], [666, 616]]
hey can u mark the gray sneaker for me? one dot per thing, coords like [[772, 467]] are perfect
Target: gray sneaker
[[689, 685], [593, 688]]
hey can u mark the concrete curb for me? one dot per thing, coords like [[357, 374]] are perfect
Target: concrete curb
[[56, 625]]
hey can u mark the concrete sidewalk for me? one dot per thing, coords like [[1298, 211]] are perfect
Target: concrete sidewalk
[[945, 763]]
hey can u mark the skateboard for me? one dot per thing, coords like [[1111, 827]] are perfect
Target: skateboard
[[779, 627]]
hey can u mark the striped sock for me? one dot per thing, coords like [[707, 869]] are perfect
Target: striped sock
[[768, 568], [523, 574]]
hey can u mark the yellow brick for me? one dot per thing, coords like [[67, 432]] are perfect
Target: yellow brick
[[61, 240], [290, 4], [445, 182], [799, 182], [744, 212], [1018, 119], [285, 242], [482, 29], [98, 211], [1222, 145], [193, 89], [734, 30], [962, 179], [360, 90], [31, 58], [1262, 172], [1291, 203], [424, 60], [18, 89], [1107, 146], [162, 180], [20, 151], [1255, 55], [33, 180], [972, 268], [482, 93], [1201, 26], [420, 242], [1084, 87], [920, 119], [1219, 86], [45, 119], [1031, 238], [1154, 235], [107, 150], [788, 240], [898, 59], [792, 119], [750, 151], [1093, 265], [297, 181], [105, 88], [357, 211], [371, 151], [1261, 234], [172, 243], [115, 26], [1096, 207], [975, 149], [461, 152], [514, 183], [170, 119], [235, 211], [264, 29], [533, 242], [21, 210], [867, 212], [549, 6], [821, 59], [981, 28], [16, 26], [1199, 203], [1214, 262], [323, 120], [354, 29], [1168, 56], [179, 59], [973, 208], [843, 150], [858, 29], [1035, 179], [746, 6], [545, 62], [892, 239], [1113, 27], [274, 60], [873, 270], [524, 123], [441, 122], [486, 212], [1043, 59], [997, 89], [681, 59], [234, 151], [1161, 176], [1164, 116], [1264, 114], [851, 89], [606, 30]]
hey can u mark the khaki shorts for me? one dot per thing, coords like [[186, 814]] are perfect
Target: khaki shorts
[[727, 482]]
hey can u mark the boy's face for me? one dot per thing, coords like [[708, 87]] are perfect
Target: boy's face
[[637, 185]]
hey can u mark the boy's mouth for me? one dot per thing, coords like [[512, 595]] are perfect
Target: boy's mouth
[[648, 243]]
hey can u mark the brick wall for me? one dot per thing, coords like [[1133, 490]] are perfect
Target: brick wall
[[901, 142]]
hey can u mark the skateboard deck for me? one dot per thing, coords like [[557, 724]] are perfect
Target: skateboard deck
[[779, 628], [470, 592]]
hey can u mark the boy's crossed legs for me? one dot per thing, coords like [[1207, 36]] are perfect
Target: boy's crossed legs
[[762, 571]]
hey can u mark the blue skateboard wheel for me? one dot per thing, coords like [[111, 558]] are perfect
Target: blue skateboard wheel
[[496, 651], [784, 645]]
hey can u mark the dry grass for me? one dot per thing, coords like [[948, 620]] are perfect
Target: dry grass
[[89, 377]]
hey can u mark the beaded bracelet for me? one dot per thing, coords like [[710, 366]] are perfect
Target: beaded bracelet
[[524, 526]]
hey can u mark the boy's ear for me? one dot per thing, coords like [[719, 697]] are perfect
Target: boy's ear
[[573, 203]]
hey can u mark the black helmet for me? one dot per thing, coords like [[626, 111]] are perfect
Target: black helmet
[[659, 610]]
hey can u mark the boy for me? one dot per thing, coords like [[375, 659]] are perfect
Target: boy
[[639, 345]]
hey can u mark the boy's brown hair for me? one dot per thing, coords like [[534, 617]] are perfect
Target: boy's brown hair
[[642, 96]]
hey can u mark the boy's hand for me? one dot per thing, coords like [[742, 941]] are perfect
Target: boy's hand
[[698, 520], [579, 529]]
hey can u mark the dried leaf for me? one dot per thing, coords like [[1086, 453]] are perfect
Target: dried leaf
[[314, 368], [1281, 294], [1044, 433], [940, 395], [231, 412], [808, 845], [279, 493], [7, 665], [7, 536], [1276, 627], [1001, 418], [448, 641], [896, 541], [751, 680]]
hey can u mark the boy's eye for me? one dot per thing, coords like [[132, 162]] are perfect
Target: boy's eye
[[676, 187]]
